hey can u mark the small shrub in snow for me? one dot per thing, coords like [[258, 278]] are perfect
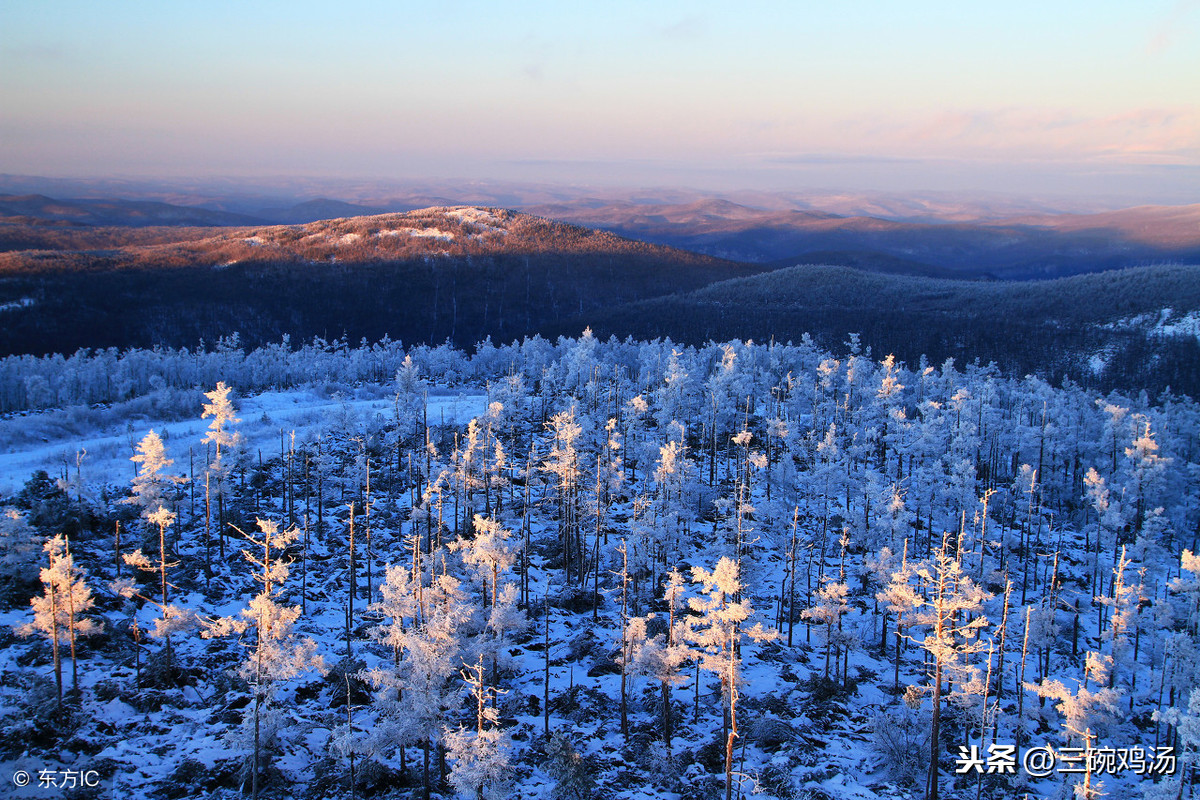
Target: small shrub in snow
[[776, 780], [901, 737], [39, 722], [771, 733], [662, 766]]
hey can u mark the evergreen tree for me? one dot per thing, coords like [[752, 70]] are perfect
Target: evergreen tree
[[274, 652], [151, 485], [719, 635], [59, 611], [172, 619]]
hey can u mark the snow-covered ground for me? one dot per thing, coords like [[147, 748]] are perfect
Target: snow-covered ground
[[836, 483], [1165, 322], [101, 456]]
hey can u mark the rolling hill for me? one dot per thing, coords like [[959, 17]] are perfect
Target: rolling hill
[[461, 273], [1022, 247], [136, 213]]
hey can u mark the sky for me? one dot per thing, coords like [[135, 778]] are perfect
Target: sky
[[1065, 96]]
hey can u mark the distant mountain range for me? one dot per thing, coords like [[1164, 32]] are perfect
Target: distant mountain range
[[1017, 248], [35, 208], [1023, 246], [119, 274]]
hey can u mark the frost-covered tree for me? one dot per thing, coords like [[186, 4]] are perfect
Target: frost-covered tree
[[901, 597], [274, 653], [59, 611], [490, 553], [151, 485], [19, 548], [1123, 617], [481, 758], [416, 693], [1187, 586], [172, 619], [946, 622], [224, 439], [719, 635], [830, 607], [1186, 722], [1146, 468], [563, 463], [504, 619], [1083, 711], [572, 777]]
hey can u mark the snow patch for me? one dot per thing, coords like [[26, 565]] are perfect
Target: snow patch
[[432, 233], [1185, 325], [1161, 324], [24, 302], [472, 214], [420, 233], [484, 221], [107, 452]]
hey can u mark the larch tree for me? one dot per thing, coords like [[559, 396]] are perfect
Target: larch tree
[[719, 635], [1186, 721], [945, 621], [490, 553], [151, 485], [224, 439], [660, 657], [418, 690], [563, 462], [58, 613], [831, 606], [172, 619], [1083, 711], [274, 652], [480, 758]]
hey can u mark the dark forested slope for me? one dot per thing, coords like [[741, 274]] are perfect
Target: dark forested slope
[[1084, 327], [460, 273]]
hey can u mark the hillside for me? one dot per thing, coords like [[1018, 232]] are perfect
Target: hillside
[[462, 273], [1105, 329]]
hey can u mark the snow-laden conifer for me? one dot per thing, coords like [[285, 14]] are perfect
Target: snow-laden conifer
[[172, 618], [718, 635], [151, 485], [274, 653], [59, 611]]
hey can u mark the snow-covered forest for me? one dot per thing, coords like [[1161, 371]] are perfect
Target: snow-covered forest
[[591, 569]]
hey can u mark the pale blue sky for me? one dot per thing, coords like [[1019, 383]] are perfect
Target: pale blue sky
[[1079, 95]]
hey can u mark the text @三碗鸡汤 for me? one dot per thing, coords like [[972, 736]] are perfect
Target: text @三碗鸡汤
[[1044, 760]]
